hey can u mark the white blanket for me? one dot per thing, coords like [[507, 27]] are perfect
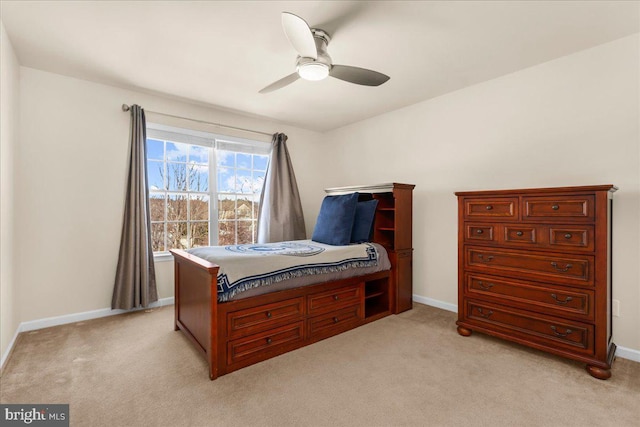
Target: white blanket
[[248, 266]]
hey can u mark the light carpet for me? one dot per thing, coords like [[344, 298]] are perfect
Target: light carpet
[[412, 369]]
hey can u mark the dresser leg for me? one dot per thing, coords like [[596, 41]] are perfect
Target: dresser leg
[[464, 331], [599, 373]]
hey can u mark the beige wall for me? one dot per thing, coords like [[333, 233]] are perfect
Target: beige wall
[[70, 187], [9, 102], [571, 121]]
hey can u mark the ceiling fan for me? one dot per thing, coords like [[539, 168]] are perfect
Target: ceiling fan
[[313, 62]]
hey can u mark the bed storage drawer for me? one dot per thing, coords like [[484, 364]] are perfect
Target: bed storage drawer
[[334, 299], [267, 316], [266, 344], [335, 322], [533, 327]]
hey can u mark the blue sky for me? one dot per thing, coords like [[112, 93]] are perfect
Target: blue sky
[[234, 174]]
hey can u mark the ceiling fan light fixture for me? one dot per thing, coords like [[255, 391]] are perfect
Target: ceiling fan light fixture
[[313, 71]]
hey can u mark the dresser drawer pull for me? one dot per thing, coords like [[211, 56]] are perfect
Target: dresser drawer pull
[[568, 236], [519, 233], [268, 314], [485, 259], [560, 334], [559, 301], [483, 314], [269, 340], [335, 320], [335, 297], [487, 286], [479, 231], [555, 207], [489, 207], [568, 266]]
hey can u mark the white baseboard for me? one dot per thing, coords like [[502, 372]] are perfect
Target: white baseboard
[[48, 322], [623, 352], [436, 303], [628, 353], [87, 315], [7, 353]]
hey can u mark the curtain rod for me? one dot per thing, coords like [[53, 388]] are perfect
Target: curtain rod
[[125, 107]]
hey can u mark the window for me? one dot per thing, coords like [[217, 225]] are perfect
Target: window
[[204, 189]]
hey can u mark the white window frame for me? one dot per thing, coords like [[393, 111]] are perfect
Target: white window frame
[[215, 142]]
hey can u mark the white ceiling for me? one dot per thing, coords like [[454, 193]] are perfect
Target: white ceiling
[[222, 53]]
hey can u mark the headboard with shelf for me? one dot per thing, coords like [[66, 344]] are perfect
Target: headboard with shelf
[[392, 229]]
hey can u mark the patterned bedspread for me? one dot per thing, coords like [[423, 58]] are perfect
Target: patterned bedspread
[[243, 267]]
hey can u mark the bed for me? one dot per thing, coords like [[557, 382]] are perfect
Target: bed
[[236, 321]]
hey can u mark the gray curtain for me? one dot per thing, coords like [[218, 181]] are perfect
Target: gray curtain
[[135, 283], [280, 217]]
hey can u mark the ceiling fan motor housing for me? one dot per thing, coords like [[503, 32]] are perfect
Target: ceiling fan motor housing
[[321, 38]]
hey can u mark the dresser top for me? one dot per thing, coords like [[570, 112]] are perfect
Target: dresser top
[[554, 190]]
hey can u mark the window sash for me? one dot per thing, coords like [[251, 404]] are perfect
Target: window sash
[[206, 139], [216, 142]]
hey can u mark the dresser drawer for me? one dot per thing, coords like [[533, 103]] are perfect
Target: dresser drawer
[[572, 237], [532, 327], [561, 238], [335, 322], [480, 233], [558, 208], [554, 300], [332, 300], [251, 320], [266, 344], [573, 270], [503, 208]]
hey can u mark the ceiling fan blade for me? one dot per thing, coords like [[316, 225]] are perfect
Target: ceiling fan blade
[[359, 76], [281, 83], [299, 34]]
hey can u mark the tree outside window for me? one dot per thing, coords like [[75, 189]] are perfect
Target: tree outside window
[[180, 194]]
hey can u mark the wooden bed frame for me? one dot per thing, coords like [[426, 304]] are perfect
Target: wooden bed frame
[[236, 334]]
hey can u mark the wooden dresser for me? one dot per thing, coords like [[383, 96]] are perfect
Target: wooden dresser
[[534, 267]]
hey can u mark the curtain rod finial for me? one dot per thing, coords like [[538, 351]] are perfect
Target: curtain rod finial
[[125, 107]]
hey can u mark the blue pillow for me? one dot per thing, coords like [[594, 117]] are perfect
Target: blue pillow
[[363, 222], [335, 220]]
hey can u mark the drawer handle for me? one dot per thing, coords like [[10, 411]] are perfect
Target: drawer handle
[[487, 259], [559, 301], [485, 287], [489, 207], [479, 231], [560, 334], [268, 314], [554, 265], [555, 207], [483, 314], [269, 340], [335, 320], [519, 233], [568, 236], [335, 297]]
